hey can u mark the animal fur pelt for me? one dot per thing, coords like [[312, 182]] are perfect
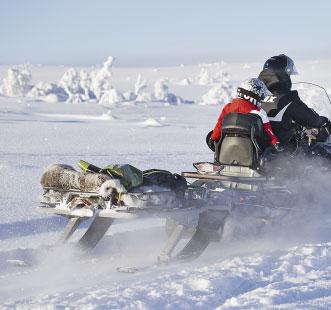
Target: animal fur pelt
[[66, 177]]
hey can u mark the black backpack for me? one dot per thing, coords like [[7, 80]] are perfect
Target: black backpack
[[164, 178]]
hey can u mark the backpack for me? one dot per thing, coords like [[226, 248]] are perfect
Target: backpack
[[164, 178], [129, 176]]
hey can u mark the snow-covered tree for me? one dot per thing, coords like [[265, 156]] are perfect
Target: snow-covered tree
[[111, 97], [140, 93], [17, 82], [140, 85], [129, 96], [42, 90], [85, 84], [75, 98], [70, 82], [143, 97], [204, 77], [218, 94], [161, 90], [221, 77], [162, 93], [101, 78]]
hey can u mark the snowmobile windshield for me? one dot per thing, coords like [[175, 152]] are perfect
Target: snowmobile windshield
[[315, 97]]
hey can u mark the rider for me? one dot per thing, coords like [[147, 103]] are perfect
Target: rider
[[285, 108], [250, 95]]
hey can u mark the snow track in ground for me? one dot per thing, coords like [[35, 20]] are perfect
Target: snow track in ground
[[293, 278]]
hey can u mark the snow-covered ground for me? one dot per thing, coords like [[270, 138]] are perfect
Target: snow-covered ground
[[284, 269]]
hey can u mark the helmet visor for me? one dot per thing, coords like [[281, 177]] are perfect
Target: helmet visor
[[290, 67]]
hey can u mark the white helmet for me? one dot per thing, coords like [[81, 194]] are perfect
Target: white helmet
[[253, 90]]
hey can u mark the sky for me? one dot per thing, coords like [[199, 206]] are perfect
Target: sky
[[155, 32]]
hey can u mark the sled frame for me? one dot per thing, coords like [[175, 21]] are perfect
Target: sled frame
[[70, 228], [210, 224], [218, 177]]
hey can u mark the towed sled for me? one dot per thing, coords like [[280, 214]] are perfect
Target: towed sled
[[196, 212], [80, 196]]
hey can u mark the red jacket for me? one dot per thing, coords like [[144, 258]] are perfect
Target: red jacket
[[238, 105]]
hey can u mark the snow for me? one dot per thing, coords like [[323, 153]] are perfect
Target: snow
[[285, 268], [184, 82], [150, 122]]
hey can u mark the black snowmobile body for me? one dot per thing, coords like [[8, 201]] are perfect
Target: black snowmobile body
[[245, 173]]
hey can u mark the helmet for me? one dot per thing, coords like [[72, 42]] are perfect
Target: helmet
[[281, 63], [253, 90]]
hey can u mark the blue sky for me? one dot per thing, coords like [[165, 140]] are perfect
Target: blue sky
[[152, 32]]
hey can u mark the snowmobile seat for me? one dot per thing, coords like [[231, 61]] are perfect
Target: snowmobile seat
[[239, 145]]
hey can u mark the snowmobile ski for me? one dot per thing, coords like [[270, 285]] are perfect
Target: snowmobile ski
[[131, 270], [18, 263], [210, 228]]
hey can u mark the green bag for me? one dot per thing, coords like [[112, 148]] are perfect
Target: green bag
[[129, 176]]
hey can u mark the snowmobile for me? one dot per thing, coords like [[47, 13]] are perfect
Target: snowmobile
[[244, 178], [196, 211], [259, 186]]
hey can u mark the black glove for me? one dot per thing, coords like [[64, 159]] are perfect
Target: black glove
[[210, 142], [211, 145], [327, 126], [324, 132]]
